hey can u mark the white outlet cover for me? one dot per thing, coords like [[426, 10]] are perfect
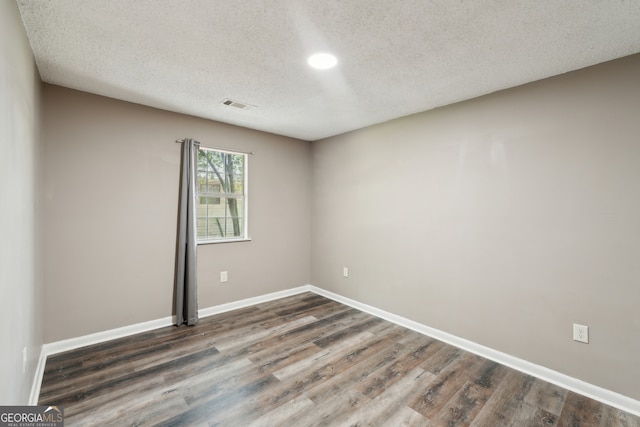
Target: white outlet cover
[[581, 333], [345, 272], [223, 276]]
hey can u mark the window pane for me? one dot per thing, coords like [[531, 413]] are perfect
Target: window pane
[[234, 173], [202, 180], [216, 228], [234, 213], [213, 183], [201, 207], [201, 226]]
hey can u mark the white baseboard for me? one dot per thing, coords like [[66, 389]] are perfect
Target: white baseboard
[[98, 337], [589, 390], [37, 378], [600, 394], [210, 311]]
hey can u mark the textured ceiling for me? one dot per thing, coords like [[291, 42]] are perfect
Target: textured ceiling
[[395, 57]]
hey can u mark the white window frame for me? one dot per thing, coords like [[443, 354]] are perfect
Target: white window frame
[[245, 198]]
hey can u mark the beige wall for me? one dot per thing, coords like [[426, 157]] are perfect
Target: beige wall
[[502, 220], [111, 194], [21, 316]]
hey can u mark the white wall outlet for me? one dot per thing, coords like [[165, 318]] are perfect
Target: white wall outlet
[[581, 333], [223, 276], [24, 360], [345, 272]]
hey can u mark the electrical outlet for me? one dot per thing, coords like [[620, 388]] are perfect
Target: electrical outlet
[[24, 360], [345, 272], [581, 333], [223, 276]]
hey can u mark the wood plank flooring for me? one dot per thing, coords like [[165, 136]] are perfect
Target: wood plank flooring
[[302, 361]]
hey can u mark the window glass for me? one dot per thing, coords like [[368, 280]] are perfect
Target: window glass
[[222, 198]]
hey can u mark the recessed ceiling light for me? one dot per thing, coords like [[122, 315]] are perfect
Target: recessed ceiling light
[[322, 61]]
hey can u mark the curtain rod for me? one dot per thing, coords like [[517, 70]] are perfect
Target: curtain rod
[[180, 141]]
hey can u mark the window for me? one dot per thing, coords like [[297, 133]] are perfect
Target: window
[[222, 196]]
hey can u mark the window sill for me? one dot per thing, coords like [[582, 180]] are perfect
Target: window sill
[[215, 242]]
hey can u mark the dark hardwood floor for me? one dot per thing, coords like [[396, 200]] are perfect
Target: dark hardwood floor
[[302, 361]]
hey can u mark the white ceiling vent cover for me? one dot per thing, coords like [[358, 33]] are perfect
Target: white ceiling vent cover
[[238, 105]]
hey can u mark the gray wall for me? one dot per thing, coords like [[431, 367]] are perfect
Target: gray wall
[[111, 188], [21, 316], [502, 220]]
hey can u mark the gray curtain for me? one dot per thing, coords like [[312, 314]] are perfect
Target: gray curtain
[[186, 301]]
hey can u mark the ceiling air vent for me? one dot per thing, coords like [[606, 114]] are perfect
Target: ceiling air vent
[[238, 105]]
